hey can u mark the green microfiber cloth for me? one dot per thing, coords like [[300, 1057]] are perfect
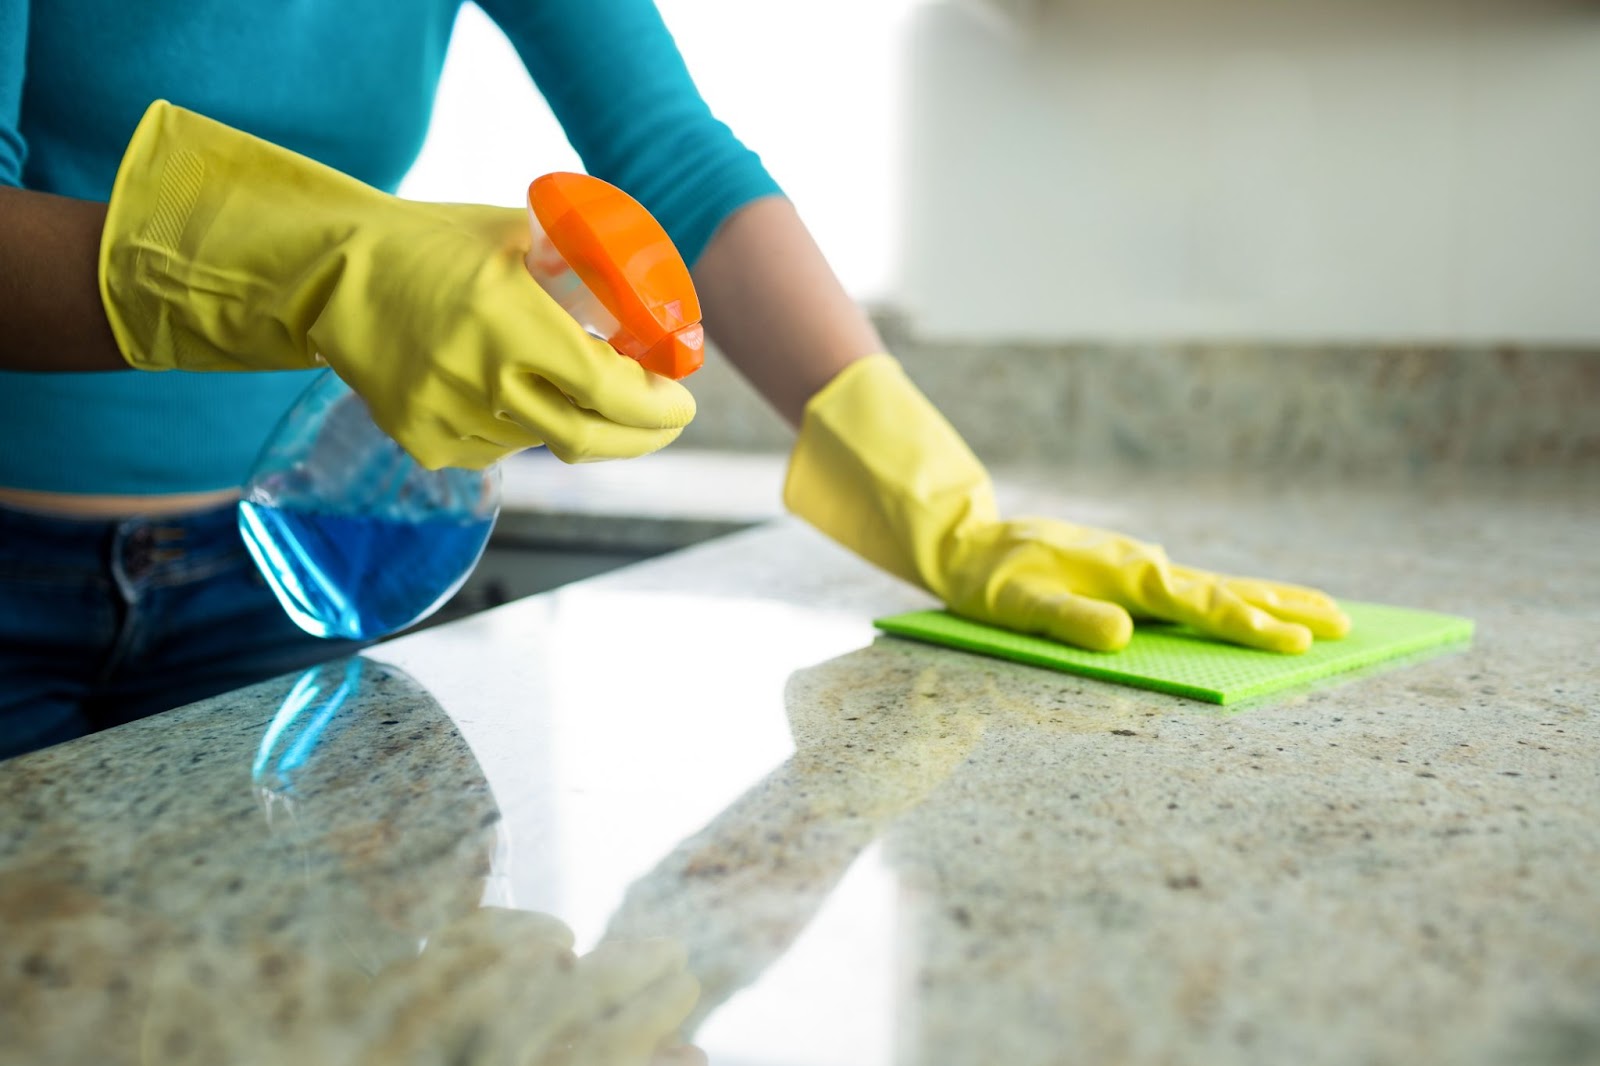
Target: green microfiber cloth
[[1175, 659]]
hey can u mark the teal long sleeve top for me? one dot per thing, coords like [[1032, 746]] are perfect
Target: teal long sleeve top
[[347, 82]]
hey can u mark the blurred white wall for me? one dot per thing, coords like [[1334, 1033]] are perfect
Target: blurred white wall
[[1113, 169], [812, 85], [1307, 170]]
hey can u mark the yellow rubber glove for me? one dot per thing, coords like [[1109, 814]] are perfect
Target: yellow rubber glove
[[224, 252], [879, 470]]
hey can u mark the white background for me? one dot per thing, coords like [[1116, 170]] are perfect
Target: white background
[[814, 86], [1340, 170]]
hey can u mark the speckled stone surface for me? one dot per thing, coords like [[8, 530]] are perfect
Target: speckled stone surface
[[863, 850], [1344, 409]]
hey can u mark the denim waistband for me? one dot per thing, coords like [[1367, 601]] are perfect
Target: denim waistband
[[137, 552]]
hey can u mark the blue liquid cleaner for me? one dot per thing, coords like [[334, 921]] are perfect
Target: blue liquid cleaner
[[355, 576]]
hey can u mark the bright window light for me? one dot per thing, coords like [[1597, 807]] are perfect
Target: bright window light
[[813, 85]]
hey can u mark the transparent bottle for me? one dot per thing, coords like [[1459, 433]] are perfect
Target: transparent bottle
[[358, 540]]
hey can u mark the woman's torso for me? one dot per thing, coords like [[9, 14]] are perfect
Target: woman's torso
[[350, 83]]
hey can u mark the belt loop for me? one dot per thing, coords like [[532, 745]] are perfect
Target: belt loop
[[132, 547]]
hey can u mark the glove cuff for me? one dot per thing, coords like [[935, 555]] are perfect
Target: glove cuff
[[212, 241], [878, 469]]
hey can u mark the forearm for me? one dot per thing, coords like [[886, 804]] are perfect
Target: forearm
[[51, 317], [773, 306]]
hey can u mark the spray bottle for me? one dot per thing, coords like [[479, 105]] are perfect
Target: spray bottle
[[356, 538]]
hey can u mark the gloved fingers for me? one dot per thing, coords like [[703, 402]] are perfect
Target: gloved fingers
[[436, 445], [1061, 615], [1315, 610], [1204, 602], [491, 440], [595, 375], [628, 394], [505, 432], [447, 424], [573, 433]]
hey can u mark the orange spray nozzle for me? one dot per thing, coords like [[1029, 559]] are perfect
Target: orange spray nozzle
[[630, 265]]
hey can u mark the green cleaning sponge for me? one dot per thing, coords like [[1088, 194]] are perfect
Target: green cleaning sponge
[[1175, 659]]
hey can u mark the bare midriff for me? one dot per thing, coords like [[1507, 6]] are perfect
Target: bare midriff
[[73, 505]]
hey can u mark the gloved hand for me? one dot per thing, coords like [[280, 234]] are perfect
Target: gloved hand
[[879, 470], [224, 252]]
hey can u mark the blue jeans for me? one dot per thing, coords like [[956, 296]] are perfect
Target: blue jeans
[[103, 622]]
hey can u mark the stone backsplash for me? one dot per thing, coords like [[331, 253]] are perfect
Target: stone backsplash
[[1333, 409]]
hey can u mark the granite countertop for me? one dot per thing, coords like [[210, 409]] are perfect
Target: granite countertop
[[527, 836]]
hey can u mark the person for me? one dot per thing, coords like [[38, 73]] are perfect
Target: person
[[196, 212]]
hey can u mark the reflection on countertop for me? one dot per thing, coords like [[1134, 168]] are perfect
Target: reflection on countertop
[[320, 889], [695, 809]]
